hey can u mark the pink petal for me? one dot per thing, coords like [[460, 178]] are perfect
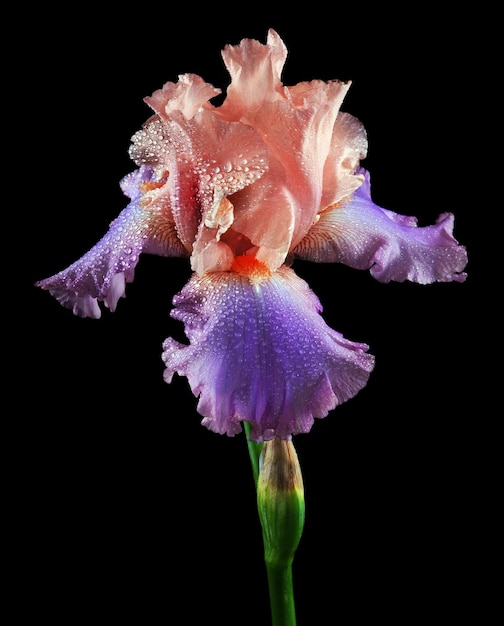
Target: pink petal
[[208, 159], [188, 95], [255, 71], [314, 149], [348, 146]]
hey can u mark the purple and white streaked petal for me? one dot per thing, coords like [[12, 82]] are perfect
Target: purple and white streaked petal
[[362, 235], [102, 273], [261, 352]]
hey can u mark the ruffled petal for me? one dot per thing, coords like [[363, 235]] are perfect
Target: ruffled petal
[[362, 235], [314, 148], [260, 351], [102, 273], [255, 71], [208, 159], [187, 95], [348, 146]]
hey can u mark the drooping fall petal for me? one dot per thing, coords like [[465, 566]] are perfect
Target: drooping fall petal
[[362, 235], [260, 351], [145, 225]]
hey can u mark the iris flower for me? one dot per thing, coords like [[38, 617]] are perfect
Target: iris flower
[[243, 189]]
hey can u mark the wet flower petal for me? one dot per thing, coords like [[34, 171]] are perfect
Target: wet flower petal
[[208, 159], [314, 148], [102, 273], [359, 233], [260, 351]]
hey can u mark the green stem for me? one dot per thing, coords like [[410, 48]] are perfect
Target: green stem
[[254, 449], [281, 592], [279, 563]]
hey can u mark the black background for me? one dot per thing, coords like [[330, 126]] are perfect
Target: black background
[[124, 507]]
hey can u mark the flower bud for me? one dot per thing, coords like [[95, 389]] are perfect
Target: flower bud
[[280, 501]]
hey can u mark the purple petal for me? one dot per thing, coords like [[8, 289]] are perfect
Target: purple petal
[[363, 235], [261, 352], [102, 273]]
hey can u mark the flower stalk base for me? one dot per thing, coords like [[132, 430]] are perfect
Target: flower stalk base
[[281, 508]]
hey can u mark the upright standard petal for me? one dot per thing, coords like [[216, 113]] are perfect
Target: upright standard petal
[[145, 225], [261, 352], [362, 235], [314, 149], [208, 159], [255, 71]]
